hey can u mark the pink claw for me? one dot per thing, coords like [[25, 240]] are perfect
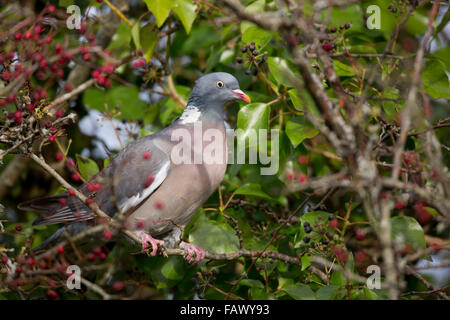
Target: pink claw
[[146, 238], [192, 250]]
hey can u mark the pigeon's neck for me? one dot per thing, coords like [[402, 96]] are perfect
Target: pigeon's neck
[[196, 110]]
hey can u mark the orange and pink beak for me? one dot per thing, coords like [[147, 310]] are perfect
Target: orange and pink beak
[[241, 95]]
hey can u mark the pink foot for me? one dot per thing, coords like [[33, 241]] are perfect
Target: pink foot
[[146, 238], [192, 250]]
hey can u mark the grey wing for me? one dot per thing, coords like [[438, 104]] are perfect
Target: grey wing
[[125, 183]]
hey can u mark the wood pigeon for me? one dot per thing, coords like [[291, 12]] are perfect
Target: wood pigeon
[[155, 192]]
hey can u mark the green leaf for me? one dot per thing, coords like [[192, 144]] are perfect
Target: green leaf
[[407, 230], [300, 292], [435, 79], [160, 9], [122, 38], [298, 130], [326, 293], [338, 279], [252, 189], [149, 40], [126, 97], [250, 283], [283, 71], [251, 118], [342, 69], [213, 236], [306, 261], [185, 10], [86, 166], [257, 35], [173, 269]]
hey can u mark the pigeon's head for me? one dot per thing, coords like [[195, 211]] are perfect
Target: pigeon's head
[[218, 88]]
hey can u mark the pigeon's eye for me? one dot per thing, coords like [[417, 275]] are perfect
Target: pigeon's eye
[[219, 84]]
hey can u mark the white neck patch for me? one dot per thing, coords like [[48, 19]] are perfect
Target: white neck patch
[[190, 115]]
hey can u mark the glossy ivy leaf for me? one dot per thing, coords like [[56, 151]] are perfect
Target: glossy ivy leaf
[[160, 9], [407, 230], [299, 291], [327, 293], [283, 71], [251, 118], [86, 166], [301, 98], [186, 12], [213, 236], [298, 130]]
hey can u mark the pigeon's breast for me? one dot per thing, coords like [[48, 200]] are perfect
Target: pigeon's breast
[[191, 179]]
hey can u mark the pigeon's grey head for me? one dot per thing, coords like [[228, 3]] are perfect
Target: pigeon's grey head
[[216, 89]]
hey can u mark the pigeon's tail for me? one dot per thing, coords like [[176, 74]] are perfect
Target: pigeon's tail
[[61, 208]]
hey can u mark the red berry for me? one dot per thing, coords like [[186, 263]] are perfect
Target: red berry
[[38, 29], [71, 192], [6, 75], [97, 250], [59, 156], [30, 261], [159, 205], [18, 36], [51, 138], [91, 188], [399, 205], [139, 63], [290, 176], [51, 8], [302, 159], [18, 227], [43, 64], [101, 80], [84, 50], [109, 68], [118, 285], [63, 201], [146, 155], [334, 223], [97, 186], [107, 234], [28, 35], [75, 177], [96, 73], [2, 103], [4, 260], [90, 257], [341, 254], [58, 48], [302, 178], [359, 235], [52, 294], [18, 270], [89, 201], [86, 57], [102, 256], [60, 249], [42, 265], [48, 39], [326, 46]]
